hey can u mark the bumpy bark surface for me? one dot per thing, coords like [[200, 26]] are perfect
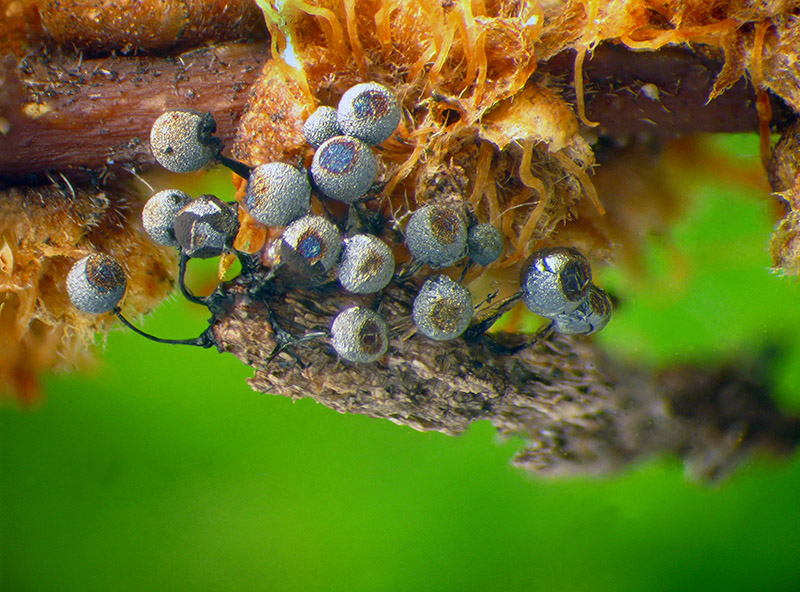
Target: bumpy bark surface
[[577, 410]]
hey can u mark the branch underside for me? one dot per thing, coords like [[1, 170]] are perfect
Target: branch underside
[[577, 410]]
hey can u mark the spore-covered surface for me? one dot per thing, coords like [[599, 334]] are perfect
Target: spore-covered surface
[[437, 235], [96, 283], [484, 244], [313, 241], [321, 126], [359, 334], [182, 140], [158, 215], [370, 112], [277, 194], [366, 265], [442, 308], [344, 168]]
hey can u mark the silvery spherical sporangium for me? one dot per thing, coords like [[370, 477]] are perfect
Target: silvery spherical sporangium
[[443, 308], [591, 315], [206, 227], [359, 335], [321, 125], [315, 239], [158, 215], [484, 244], [555, 280], [366, 265], [277, 194], [370, 112], [344, 168], [182, 140], [96, 283], [436, 235]]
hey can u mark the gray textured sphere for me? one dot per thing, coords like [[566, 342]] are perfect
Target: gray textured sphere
[[206, 227], [344, 168], [369, 111], [592, 314], [442, 309], [315, 239], [182, 140], [367, 264], [484, 244], [96, 283], [437, 235], [158, 215], [555, 280], [321, 125], [359, 334], [277, 194]]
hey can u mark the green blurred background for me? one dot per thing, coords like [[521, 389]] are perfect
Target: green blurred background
[[160, 469]]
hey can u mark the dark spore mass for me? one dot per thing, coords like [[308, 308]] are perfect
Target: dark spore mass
[[339, 157]]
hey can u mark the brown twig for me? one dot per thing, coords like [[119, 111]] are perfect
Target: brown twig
[[577, 410], [80, 116], [663, 93], [74, 115]]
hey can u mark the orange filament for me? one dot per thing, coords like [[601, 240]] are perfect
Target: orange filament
[[585, 181], [337, 36], [426, 57], [490, 192], [525, 234], [352, 35], [522, 199], [656, 38], [525, 174], [435, 15], [383, 25], [482, 168], [532, 184], [444, 52], [467, 26], [480, 47], [763, 106], [578, 82], [405, 168]]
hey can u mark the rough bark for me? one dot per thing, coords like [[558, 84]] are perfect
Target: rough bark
[[82, 117], [578, 410]]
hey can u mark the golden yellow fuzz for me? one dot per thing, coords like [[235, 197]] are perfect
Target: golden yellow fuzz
[[480, 123], [43, 231]]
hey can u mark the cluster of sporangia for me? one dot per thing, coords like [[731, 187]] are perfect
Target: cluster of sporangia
[[555, 282]]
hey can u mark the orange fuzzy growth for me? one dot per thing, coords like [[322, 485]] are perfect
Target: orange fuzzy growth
[[449, 66], [43, 231], [478, 119]]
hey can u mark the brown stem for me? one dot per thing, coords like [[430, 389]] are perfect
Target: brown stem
[[662, 92], [75, 116]]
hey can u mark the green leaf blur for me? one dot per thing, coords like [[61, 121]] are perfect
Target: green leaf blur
[[161, 470]]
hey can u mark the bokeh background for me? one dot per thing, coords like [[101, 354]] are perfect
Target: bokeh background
[[159, 469]]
